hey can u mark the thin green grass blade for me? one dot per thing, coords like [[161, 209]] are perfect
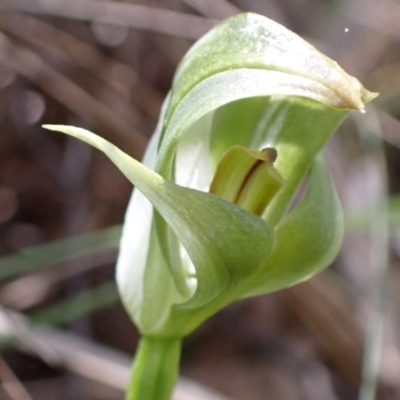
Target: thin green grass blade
[[79, 305], [59, 251]]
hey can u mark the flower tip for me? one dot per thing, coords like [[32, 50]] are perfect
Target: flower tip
[[367, 96], [358, 102]]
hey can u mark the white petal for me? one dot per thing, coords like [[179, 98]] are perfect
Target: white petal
[[135, 237]]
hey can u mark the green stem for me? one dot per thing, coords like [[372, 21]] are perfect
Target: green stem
[[155, 369]]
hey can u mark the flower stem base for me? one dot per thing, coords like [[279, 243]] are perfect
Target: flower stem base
[[155, 369]]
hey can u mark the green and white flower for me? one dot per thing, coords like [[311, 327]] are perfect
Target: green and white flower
[[212, 218]]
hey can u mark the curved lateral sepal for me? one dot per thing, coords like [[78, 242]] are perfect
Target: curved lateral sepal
[[226, 243], [307, 239]]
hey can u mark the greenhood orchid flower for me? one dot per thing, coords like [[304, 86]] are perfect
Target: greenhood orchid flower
[[212, 218]]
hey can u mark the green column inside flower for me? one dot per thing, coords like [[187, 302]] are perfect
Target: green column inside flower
[[247, 178]]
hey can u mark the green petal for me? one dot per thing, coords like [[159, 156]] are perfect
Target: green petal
[[240, 123], [254, 41], [229, 86], [307, 239], [297, 128], [226, 243], [221, 60]]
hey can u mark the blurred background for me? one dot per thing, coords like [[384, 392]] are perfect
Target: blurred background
[[106, 66]]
